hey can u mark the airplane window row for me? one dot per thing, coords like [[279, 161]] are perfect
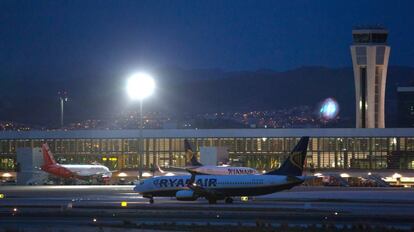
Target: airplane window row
[[249, 182]]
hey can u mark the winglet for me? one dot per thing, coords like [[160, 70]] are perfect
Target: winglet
[[191, 182]]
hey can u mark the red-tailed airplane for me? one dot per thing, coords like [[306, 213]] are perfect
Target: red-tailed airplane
[[72, 171]]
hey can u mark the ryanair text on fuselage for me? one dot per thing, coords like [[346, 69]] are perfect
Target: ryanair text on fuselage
[[182, 182], [236, 171]]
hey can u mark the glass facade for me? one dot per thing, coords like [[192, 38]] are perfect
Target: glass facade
[[257, 152], [370, 37]]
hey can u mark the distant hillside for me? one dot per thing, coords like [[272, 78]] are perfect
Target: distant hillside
[[32, 98]]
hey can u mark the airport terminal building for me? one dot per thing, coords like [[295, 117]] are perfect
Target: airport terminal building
[[264, 149]]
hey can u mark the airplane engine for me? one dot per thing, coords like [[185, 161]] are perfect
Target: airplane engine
[[186, 195]]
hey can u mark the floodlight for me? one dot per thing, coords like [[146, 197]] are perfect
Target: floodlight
[[140, 86]]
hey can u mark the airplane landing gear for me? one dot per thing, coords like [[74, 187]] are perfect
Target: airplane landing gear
[[229, 200], [151, 201]]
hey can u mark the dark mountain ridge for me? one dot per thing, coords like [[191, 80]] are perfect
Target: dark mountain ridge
[[32, 98]]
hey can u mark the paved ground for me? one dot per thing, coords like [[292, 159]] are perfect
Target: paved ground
[[37, 206]]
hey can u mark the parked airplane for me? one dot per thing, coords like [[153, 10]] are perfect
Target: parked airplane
[[224, 187], [198, 168], [72, 171]]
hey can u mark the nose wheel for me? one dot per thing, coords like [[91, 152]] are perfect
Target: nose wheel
[[229, 200]]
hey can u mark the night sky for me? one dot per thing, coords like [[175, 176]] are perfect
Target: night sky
[[63, 37]]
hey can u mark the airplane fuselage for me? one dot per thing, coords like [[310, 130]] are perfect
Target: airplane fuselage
[[77, 170], [222, 170], [223, 185]]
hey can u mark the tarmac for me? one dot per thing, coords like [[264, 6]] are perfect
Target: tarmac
[[34, 207]]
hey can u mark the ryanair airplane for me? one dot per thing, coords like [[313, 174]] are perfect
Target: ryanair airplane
[[198, 168], [224, 187]]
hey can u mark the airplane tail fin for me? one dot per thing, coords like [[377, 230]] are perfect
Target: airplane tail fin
[[191, 154], [293, 165], [48, 158]]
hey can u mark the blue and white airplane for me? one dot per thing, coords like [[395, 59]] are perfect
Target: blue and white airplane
[[224, 187]]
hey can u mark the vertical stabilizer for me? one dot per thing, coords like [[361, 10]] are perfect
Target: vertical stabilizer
[[293, 165], [191, 154], [47, 155]]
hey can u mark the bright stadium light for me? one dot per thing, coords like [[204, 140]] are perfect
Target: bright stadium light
[[140, 86]]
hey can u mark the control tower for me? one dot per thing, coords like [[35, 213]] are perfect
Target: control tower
[[370, 55]]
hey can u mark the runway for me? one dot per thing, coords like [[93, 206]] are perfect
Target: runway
[[36, 205]]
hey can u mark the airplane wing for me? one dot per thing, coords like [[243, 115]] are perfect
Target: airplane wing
[[200, 191], [180, 168]]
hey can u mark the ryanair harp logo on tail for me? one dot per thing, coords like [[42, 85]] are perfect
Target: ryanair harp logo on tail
[[296, 159]]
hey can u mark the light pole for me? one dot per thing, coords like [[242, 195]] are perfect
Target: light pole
[[63, 97], [140, 86]]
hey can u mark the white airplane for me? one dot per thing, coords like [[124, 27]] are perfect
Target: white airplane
[[72, 171], [224, 187], [198, 168]]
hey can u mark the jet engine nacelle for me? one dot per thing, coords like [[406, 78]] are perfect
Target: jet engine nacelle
[[186, 195]]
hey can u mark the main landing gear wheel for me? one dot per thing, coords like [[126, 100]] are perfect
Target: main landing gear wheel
[[151, 201], [212, 201], [229, 200]]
